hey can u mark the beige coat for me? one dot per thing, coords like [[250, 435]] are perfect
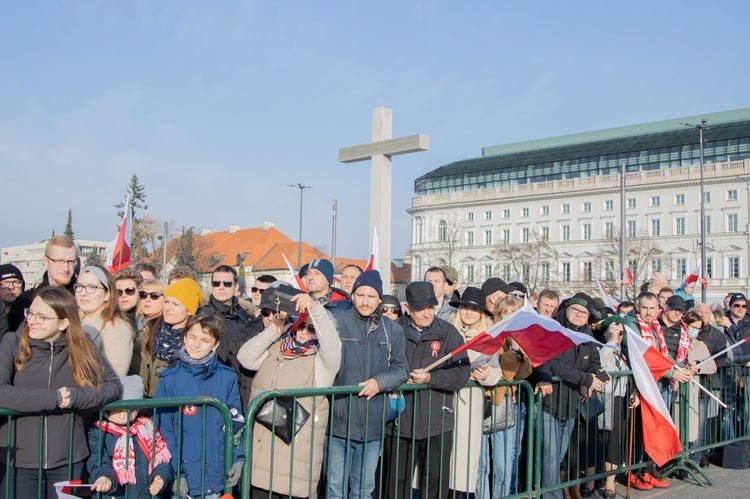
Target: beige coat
[[314, 369], [117, 340]]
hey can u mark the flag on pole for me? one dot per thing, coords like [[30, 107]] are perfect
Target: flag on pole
[[627, 277], [660, 438], [297, 279], [540, 337], [373, 263], [606, 298], [694, 276], [118, 250]]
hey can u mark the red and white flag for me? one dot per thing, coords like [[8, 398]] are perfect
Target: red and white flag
[[694, 276], [373, 263], [118, 250], [660, 438], [540, 337], [606, 298], [297, 279], [627, 277]]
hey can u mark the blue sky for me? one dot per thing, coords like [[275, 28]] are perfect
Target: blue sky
[[216, 106]]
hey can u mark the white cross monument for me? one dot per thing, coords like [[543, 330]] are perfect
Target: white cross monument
[[380, 150]]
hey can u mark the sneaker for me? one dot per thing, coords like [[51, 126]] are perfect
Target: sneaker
[[653, 481], [638, 483]]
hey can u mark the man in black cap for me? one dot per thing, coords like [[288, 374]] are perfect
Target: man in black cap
[[740, 327], [496, 289], [12, 284], [451, 283], [318, 279], [428, 338], [675, 330], [519, 290]]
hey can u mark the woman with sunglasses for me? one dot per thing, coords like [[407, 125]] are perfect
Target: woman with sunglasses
[[390, 307], [306, 357], [150, 306], [127, 282], [95, 294], [50, 365]]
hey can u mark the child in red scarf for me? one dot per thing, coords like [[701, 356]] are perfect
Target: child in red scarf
[[134, 457]]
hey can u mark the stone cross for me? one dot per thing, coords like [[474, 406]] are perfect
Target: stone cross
[[380, 150]]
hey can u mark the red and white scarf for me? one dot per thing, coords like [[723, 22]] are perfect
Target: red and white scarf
[[647, 331], [148, 437]]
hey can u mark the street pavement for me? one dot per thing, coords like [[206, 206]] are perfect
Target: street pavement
[[730, 484]]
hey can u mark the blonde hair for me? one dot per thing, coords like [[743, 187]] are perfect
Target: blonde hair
[[482, 324], [85, 361], [506, 306]]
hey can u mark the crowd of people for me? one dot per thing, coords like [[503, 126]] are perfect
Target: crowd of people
[[82, 337]]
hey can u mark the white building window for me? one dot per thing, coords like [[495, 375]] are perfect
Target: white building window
[[586, 207], [733, 266], [586, 232], [545, 232], [506, 273], [707, 221], [680, 267], [565, 209], [631, 203], [732, 195], [609, 230], [419, 230], [545, 210], [545, 271], [469, 273], [709, 266], [506, 236], [565, 271], [470, 216], [656, 265], [469, 239], [679, 199], [488, 237], [488, 215], [524, 212], [656, 227], [565, 233], [487, 272], [655, 200], [679, 226], [506, 213], [442, 231], [525, 234], [588, 271], [706, 197], [632, 231], [732, 222], [609, 205]]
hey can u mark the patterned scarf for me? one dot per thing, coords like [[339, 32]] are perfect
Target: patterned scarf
[[187, 359], [647, 334], [291, 348], [149, 440], [682, 350], [166, 341]]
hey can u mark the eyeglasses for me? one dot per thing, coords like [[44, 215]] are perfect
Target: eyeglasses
[[154, 295], [257, 290], [127, 291], [90, 288], [61, 262], [265, 312], [10, 284], [579, 312], [227, 284], [310, 328], [518, 295], [740, 305], [37, 318], [387, 309]]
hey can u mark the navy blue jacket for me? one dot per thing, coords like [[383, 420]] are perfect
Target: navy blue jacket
[[98, 468], [213, 380]]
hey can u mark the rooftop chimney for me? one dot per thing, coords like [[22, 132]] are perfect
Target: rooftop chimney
[[233, 228], [267, 225]]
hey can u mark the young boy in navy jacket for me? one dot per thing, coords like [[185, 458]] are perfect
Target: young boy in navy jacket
[[199, 373]]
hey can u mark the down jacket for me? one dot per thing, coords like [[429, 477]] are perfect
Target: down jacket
[[35, 390]]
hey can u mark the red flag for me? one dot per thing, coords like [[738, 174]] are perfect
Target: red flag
[[118, 250], [606, 298], [692, 278], [528, 328], [373, 263], [660, 438], [300, 284], [627, 278]]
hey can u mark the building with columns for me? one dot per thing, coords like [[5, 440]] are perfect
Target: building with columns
[[548, 211]]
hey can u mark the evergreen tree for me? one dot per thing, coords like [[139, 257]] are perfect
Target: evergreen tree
[[69, 226], [185, 256], [137, 192], [139, 234]]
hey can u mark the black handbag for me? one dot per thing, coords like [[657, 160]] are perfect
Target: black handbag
[[591, 408], [283, 416]]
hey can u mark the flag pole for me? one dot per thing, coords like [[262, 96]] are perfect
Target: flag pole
[[630, 448], [730, 347], [709, 393], [436, 363]]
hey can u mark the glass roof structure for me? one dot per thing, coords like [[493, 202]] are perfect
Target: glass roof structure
[[650, 146]]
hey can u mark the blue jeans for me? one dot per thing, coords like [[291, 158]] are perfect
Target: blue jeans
[[506, 446], [351, 465], [555, 442]]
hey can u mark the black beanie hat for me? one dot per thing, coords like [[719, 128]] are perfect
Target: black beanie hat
[[369, 278]]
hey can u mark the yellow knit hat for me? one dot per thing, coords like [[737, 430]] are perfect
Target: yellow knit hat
[[188, 292]]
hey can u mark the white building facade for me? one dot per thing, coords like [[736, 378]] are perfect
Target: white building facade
[[562, 198]]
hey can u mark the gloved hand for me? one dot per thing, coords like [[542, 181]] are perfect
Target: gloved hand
[[235, 473], [180, 487]]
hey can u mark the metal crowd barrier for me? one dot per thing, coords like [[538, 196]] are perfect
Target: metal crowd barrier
[[521, 465]]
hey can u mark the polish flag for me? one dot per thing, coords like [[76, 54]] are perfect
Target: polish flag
[[692, 278], [297, 279], [606, 298], [540, 337], [660, 438], [118, 250], [374, 261], [627, 278]]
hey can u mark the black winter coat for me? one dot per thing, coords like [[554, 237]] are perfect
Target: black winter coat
[[35, 390], [433, 409]]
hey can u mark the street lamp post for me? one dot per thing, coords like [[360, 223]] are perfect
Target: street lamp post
[[299, 244], [700, 129]]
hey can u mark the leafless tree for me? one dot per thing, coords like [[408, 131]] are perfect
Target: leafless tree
[[536, 261]]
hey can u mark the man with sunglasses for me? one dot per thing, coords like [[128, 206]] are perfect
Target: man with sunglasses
[[239, 326], [261, 284], [61, 261], [739, 328]]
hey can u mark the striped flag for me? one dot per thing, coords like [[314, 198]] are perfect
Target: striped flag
[[373, 263], [606, 298], [660, 438], [297, 279], [627, 277], [118, 250]]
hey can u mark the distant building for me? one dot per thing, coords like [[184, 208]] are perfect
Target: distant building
[[565, 191], [29, 257]]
